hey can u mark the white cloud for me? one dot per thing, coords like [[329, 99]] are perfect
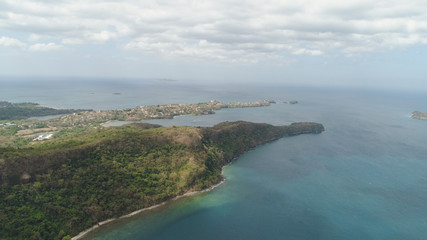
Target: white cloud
[[44, 47], [303, 51], [11, 42], [223, 30], [100, 36], [72, 41], [34, 37]]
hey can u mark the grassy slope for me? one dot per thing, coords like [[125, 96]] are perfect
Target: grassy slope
[[79, 181]]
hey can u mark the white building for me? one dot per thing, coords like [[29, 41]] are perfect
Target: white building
[[43, 137]]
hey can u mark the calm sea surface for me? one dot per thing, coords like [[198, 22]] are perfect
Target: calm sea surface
[[365, 177]]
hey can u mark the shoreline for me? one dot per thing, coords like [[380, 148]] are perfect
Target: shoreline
[[419, 115], [187, 194]]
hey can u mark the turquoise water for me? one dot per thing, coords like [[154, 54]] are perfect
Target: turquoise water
[[363, 178]]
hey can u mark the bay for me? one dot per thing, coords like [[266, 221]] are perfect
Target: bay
[[363, 178]]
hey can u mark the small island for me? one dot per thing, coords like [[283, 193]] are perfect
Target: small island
[[419, 115]]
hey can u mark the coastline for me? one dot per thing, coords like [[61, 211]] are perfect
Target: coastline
[[419, 115], [187, 194], [233, 134]]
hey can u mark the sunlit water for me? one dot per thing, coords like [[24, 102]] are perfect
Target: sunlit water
[[363, 178]]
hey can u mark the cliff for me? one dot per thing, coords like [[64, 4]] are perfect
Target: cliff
[[58, 188]]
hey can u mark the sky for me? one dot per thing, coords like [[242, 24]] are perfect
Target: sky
[[365, 43]]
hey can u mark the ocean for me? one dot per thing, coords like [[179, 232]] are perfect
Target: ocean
[[363, 178]]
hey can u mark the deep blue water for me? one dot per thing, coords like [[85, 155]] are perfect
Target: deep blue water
[[365, 177]]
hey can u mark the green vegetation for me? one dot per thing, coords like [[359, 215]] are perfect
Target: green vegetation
[[21, 133], [60, 187], [14, 111]]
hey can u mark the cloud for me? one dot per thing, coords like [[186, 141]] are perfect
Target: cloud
[[11, 42], [101, 36], [44, 47], [222, 30]]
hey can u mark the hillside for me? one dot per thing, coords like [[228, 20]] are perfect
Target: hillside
[[14, 111], [60, 187]]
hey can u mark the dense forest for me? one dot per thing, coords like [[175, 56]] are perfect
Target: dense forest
[[15, 111], [56, 189]]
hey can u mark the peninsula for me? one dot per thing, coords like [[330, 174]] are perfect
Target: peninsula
[[59, 187], [15, 111], [139, 113], [419, 115], [20, 133]]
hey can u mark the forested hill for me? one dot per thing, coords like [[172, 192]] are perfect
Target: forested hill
[[14, 111], [56, 189]]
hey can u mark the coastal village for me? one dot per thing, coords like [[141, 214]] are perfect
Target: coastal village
[[167, 111], [38, 130]]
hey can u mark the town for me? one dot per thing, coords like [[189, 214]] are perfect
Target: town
[[30, 130]]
